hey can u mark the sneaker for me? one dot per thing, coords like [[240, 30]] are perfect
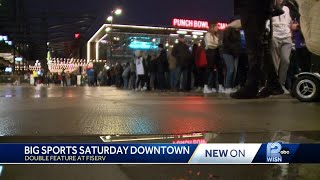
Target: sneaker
[[221, 89], [206, 90], [228, 91], [285, 90], [144, 89], [199, 89], [214, 90]]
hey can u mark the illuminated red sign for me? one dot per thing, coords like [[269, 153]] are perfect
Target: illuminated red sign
[[77, 35], [222, 26], [190, 141], [186, 23]]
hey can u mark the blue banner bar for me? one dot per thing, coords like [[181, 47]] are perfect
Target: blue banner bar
[[95, 153], [269, 153]]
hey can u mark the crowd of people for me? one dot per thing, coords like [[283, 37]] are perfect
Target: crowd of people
[[219, 64]]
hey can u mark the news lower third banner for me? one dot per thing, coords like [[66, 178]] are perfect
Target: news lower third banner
[[269, 153]]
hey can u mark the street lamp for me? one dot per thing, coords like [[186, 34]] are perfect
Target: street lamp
[[110, 18], [118, 12], [115, 12]]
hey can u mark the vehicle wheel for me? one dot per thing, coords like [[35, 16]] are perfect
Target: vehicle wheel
[[306, 88]]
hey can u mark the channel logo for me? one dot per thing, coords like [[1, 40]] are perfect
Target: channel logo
[[275, 152]]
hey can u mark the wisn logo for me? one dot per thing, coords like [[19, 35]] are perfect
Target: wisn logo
[[275, 152]]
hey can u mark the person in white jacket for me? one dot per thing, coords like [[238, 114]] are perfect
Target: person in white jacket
[[140, 69], [281, 43], [310, 24]]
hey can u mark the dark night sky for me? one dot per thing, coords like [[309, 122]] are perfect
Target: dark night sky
[[135, 12], [144, 12]]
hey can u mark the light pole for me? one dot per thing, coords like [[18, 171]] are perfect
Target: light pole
[[115, 12]]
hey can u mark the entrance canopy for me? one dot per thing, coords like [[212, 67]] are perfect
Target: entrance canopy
[[118, 39]]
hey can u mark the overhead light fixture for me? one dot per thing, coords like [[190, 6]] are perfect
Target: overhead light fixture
[[118, 12], [3, 38], [110, 18], [197, 33], [108, 29], [175, 35], [182, 32], [9, 43], [195, 36]]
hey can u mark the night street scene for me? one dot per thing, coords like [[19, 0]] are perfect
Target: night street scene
[[146, 71]]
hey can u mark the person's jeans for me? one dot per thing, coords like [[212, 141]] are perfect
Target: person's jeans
[[215, 69], [281, 50], [133, 80], [167, 80], [173, 78], [161, 80], [232, 66], [64, 82], [185, 84], [141, 81], [125, 82], [178, 78], [152, 80], [187, 81], [213, 79]]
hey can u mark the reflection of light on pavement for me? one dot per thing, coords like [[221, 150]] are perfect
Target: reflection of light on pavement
[[1, 168], [69, 94], [190, 141], [8, 96], [104, 139], [38, 87], [37, 96], [195, 136]]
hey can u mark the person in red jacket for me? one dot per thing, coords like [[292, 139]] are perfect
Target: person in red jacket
[[202, 67]]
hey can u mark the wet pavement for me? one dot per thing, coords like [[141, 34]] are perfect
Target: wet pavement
[[105, 114], [28, 110]]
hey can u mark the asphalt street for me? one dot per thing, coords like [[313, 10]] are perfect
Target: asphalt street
[[87, 115], [56, 111]]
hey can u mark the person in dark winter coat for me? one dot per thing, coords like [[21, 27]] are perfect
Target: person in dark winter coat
[[125, 76], [152, 64], [231, 51], [162, 66], [184, 59]]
